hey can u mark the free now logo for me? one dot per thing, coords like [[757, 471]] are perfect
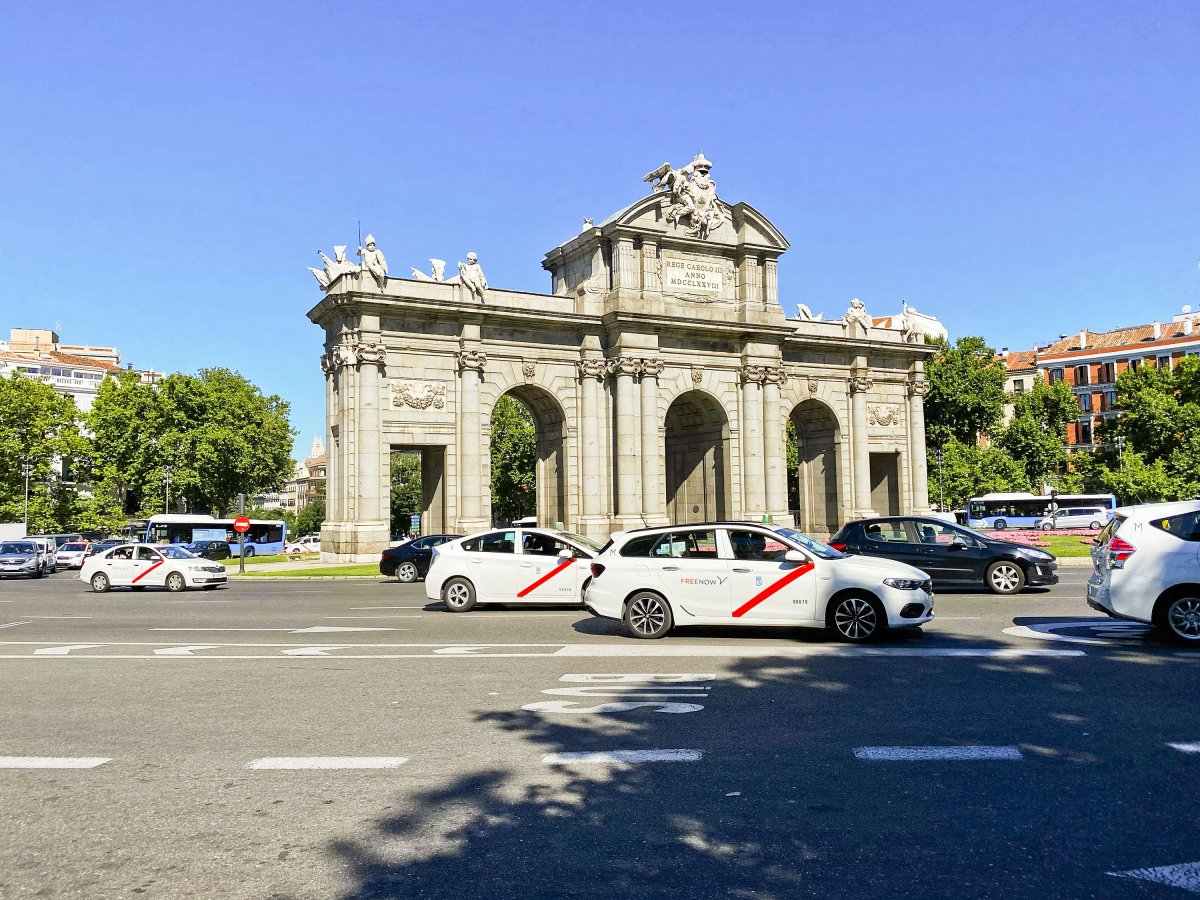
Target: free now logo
[[704, 582]]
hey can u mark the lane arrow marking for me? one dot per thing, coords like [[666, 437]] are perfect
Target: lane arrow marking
[[185, 651], [63, 651], [314, 651], [1183, 875]]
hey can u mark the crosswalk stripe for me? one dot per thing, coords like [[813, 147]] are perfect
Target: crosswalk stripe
[[914, 754], [623, 756], [1185, 748], [53, 762]]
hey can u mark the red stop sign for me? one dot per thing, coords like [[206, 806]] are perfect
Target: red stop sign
[[241, 524]]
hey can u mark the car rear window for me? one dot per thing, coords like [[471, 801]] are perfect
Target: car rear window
[[640, 546], [1185, 526]]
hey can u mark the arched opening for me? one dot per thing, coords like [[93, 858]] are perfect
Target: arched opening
[[528, 458], [697, 454], [813, 440]]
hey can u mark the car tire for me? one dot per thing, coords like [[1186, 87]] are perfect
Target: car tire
[[1000, 525], [857, 619], [648, 616], [249, 553], [459, 595], [406, 573], [100, 583], [1048, 527], [176, 582], [37, 573], [1004, 577], [1180, 616], [1095, 526]]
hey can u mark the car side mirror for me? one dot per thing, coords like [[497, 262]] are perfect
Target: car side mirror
[[565, 553], [958, 545], [795, 556]]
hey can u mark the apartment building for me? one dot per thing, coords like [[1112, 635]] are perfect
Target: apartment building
[[1090, 362]]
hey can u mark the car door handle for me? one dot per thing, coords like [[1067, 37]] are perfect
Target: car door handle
[[670, 568], [741, 570]]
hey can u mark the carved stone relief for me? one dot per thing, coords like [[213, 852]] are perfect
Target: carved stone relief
[[697, 375], [886, 416], [593, 368], [472, 359], [418, 394], [917, 387], [528, 369], [860, 384]]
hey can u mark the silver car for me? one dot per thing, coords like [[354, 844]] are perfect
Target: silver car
[[21, 558]]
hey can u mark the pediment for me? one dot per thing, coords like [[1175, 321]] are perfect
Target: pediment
[[743, 225]]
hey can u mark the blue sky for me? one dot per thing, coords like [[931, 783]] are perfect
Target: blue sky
[[1018, 169]]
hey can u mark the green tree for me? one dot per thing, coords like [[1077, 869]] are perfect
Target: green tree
[[215, 431], [514, 460], [39, 429], [966, 394], [969, 470], [406, 490], [310, 517], [1037, 433]]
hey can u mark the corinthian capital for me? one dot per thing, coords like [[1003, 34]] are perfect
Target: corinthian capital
[[472, 359], [328, 363], [917, 387], [652, 368], [777, 376], [624, 365], [860, 384], [755, 374], [592, 368]]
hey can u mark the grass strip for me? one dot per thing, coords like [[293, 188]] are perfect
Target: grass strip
[[324, 572]]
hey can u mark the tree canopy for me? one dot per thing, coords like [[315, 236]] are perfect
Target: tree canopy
[[514, 460], [966, 392]]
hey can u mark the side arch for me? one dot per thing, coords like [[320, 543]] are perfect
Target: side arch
[[550, 450], [814, 481]]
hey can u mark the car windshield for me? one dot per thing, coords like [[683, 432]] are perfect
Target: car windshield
[[72, 548], [581, 540], [813, 546], [174, 551], [17, 547]]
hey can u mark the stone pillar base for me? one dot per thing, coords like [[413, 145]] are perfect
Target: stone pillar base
[[856, 514], [782, 517], [598, 528], [470, 526], [628, 523], [353, 542]]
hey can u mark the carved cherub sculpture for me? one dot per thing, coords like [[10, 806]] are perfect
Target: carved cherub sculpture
[[857, 316], [911, 331], [471, 276]]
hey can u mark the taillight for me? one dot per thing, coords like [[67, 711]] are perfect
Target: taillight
[[1119, 550], [597, 570], [839, 546]]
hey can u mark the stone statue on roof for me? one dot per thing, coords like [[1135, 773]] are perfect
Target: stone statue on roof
[[857, 317], [374, 262], [333, 267], [471, 275], [694, 195]]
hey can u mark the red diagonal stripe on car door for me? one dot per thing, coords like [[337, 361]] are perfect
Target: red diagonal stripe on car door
[[773, 588], [148, 571], [537, 584]]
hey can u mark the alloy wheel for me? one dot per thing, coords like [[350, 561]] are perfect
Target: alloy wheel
[[406, 572], [647, 615], [1006, 578], [855, 619], [1183, 618]]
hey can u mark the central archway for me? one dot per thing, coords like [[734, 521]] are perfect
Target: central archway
[[697, 457], [814, 481], [548, 457]]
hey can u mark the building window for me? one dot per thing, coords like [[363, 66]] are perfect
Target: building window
[[1135, 364], [1108, 373], [1164, 362], [1019, 386], [1085, 402], [1082, 374], [1056, 375], [1085, 432]]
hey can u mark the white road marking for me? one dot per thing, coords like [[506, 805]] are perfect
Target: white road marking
[[386, 607], [13, 624], [328, 762], [53, 762], [913, 754], [1183, 875], [312, 651], [1185, 748], [1103, 628], [57, 617], [314, 629], [184, 651], [752, 650], [623, 756], [63, 651], [370, 617]]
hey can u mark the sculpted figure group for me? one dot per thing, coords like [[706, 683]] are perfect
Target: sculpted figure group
[[694, 194], [374, 263]]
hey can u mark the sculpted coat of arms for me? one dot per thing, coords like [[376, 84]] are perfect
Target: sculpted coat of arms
[[693, 195]]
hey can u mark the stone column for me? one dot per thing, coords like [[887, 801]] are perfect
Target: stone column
[[651, 271], [628, 442], [749, 276], [470, 442], [333, 494], [918, 387], [859, 385], [653, 498], [771, 281], [591, 375], [754, 502], [775, 447], [626, 271], [370, 517]]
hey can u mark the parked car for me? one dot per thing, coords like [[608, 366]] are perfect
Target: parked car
[[100, 546], [510, 565], [733, 573], [140, 566], [954, 556], [1092, 517], [1146, 568], [22, 558], [49, 550], [310, 543], [71, 556], [410, 560], [209, 549]]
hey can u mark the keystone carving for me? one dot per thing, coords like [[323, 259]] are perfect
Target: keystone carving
[[418, 394], [528, 369], [813, 384], [697, 375], [472, 359]]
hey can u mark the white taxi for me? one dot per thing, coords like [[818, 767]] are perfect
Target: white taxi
[[140, 566], [734, 573], [510, 565]]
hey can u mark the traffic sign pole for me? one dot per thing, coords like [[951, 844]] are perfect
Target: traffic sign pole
[[237, 525]]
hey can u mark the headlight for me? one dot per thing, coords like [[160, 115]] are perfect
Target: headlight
[[904, 584], [1040, 556], [30, 563]]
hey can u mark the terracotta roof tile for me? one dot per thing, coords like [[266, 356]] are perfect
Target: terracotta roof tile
[[1121, 337], [64, 359], [1020, 360]]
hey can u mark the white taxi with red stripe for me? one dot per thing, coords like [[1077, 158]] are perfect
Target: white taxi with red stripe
[[734, 573], [510, 565], [140, 566]]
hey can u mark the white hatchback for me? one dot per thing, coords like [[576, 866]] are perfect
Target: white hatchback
[[510, 565], [140, 566], [742, 574], [1146, 567]]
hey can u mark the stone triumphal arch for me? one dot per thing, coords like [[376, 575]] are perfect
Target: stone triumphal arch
[[661, 373]]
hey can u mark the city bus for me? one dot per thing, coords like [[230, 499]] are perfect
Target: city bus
[[265, 536], [1002, 511]]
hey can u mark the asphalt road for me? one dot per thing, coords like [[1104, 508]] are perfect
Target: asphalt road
[[230, 744]]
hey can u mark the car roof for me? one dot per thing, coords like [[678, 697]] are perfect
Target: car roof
[[1153, 510]]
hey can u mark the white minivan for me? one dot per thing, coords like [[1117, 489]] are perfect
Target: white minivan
[[1093, 517]]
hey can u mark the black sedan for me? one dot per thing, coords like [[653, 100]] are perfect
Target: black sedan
[[952, 555], [210, 549], [410, 560]]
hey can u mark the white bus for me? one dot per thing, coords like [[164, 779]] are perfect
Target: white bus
[[266, 536], [1016, 510]]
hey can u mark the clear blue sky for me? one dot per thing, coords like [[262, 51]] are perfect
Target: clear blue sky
[[1018, 169]]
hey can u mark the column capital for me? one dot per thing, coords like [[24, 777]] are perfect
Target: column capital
[[918, 387], [371, 352], [624, 365], [753, 374], [592, 367], [860, 384], [471, 359], [776, 375], [651, 368]]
